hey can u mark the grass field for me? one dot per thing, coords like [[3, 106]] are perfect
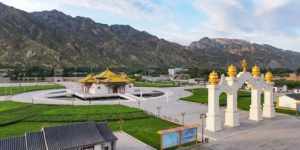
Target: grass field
[[200, 96], [244, 100], [18, 118], [22, 89], [155, 84]]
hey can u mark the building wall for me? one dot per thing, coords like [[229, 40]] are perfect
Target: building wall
[[287, 102], [103, 145], [98, 147], [99, 89]]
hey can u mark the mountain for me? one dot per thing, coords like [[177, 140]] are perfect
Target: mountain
[[220, 51], [54, 39]]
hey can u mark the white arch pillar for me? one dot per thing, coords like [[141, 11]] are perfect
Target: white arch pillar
[[231, 112], [213, 120], [268, 107], [255, 107]]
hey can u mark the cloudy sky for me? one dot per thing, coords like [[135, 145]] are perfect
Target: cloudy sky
[[275, 22]]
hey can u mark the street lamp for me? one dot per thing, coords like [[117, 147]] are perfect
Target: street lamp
[[202, 117], [183, 114], [139, 103], [158, 110], [141, 93]]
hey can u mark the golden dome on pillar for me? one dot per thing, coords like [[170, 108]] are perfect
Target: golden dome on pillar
[[255, 71], [231, 71], [244, 65], [269, 77], [213, 78]]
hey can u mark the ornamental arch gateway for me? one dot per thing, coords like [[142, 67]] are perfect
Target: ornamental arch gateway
[[230, 85]]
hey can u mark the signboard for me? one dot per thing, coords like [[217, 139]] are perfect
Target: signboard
[[170, 139], [177, 136], [188, 135]]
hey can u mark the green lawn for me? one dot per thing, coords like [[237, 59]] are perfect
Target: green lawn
[[18, 118], [22, 89], [200, 96], [155, 84]]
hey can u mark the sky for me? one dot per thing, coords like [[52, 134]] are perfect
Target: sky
[[274, 22]]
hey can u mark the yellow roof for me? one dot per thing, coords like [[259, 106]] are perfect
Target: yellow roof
[[115, 79], [105, 74], [108, 76], [88, 79]]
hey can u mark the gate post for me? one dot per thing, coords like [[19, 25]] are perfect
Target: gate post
[[231, 112], [213, 121], [255, 107]]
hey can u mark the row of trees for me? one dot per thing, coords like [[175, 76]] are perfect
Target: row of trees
[[17, 72]]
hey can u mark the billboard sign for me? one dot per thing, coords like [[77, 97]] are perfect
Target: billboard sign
[[170, 139], [188, 135], [178, 136]]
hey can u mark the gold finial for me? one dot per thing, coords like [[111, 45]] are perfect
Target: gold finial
[[231, 71], [255, 71], [244, 65], [269, 77], [213, 78]]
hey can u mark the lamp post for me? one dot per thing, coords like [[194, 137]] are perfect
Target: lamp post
[[183, 114], [141, 93], [202, 117], [139, 103], [158, 110]]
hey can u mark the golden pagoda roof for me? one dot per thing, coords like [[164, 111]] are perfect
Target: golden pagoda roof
[[108, 76], [105, 74], [115, 79], [88, 79]]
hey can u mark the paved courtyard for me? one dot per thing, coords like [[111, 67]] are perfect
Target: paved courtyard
[[127, 142], [282, 132]]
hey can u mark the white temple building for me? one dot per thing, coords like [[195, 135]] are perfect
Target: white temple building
[[106, 83]]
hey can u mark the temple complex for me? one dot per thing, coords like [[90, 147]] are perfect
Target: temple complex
[[106, 82]]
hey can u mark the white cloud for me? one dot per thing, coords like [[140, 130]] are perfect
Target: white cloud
[[271, 21]]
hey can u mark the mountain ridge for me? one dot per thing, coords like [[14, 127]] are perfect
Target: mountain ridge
[[53, 39]]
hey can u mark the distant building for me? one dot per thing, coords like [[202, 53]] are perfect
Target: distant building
[[296, 90], [293, 77], [289, 101], [280, 89], [175, 71], [80, 136], [155, 79]]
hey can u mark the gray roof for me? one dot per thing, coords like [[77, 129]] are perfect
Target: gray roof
[[74, 135], [70, 136], [16, 143], [294, 96], [106, 132]]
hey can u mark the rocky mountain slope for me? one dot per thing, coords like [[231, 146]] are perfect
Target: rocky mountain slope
[[221, 51], [54, 39]]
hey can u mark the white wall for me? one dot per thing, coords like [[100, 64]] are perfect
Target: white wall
[[99, 89], [98, 147], [287, 102]]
